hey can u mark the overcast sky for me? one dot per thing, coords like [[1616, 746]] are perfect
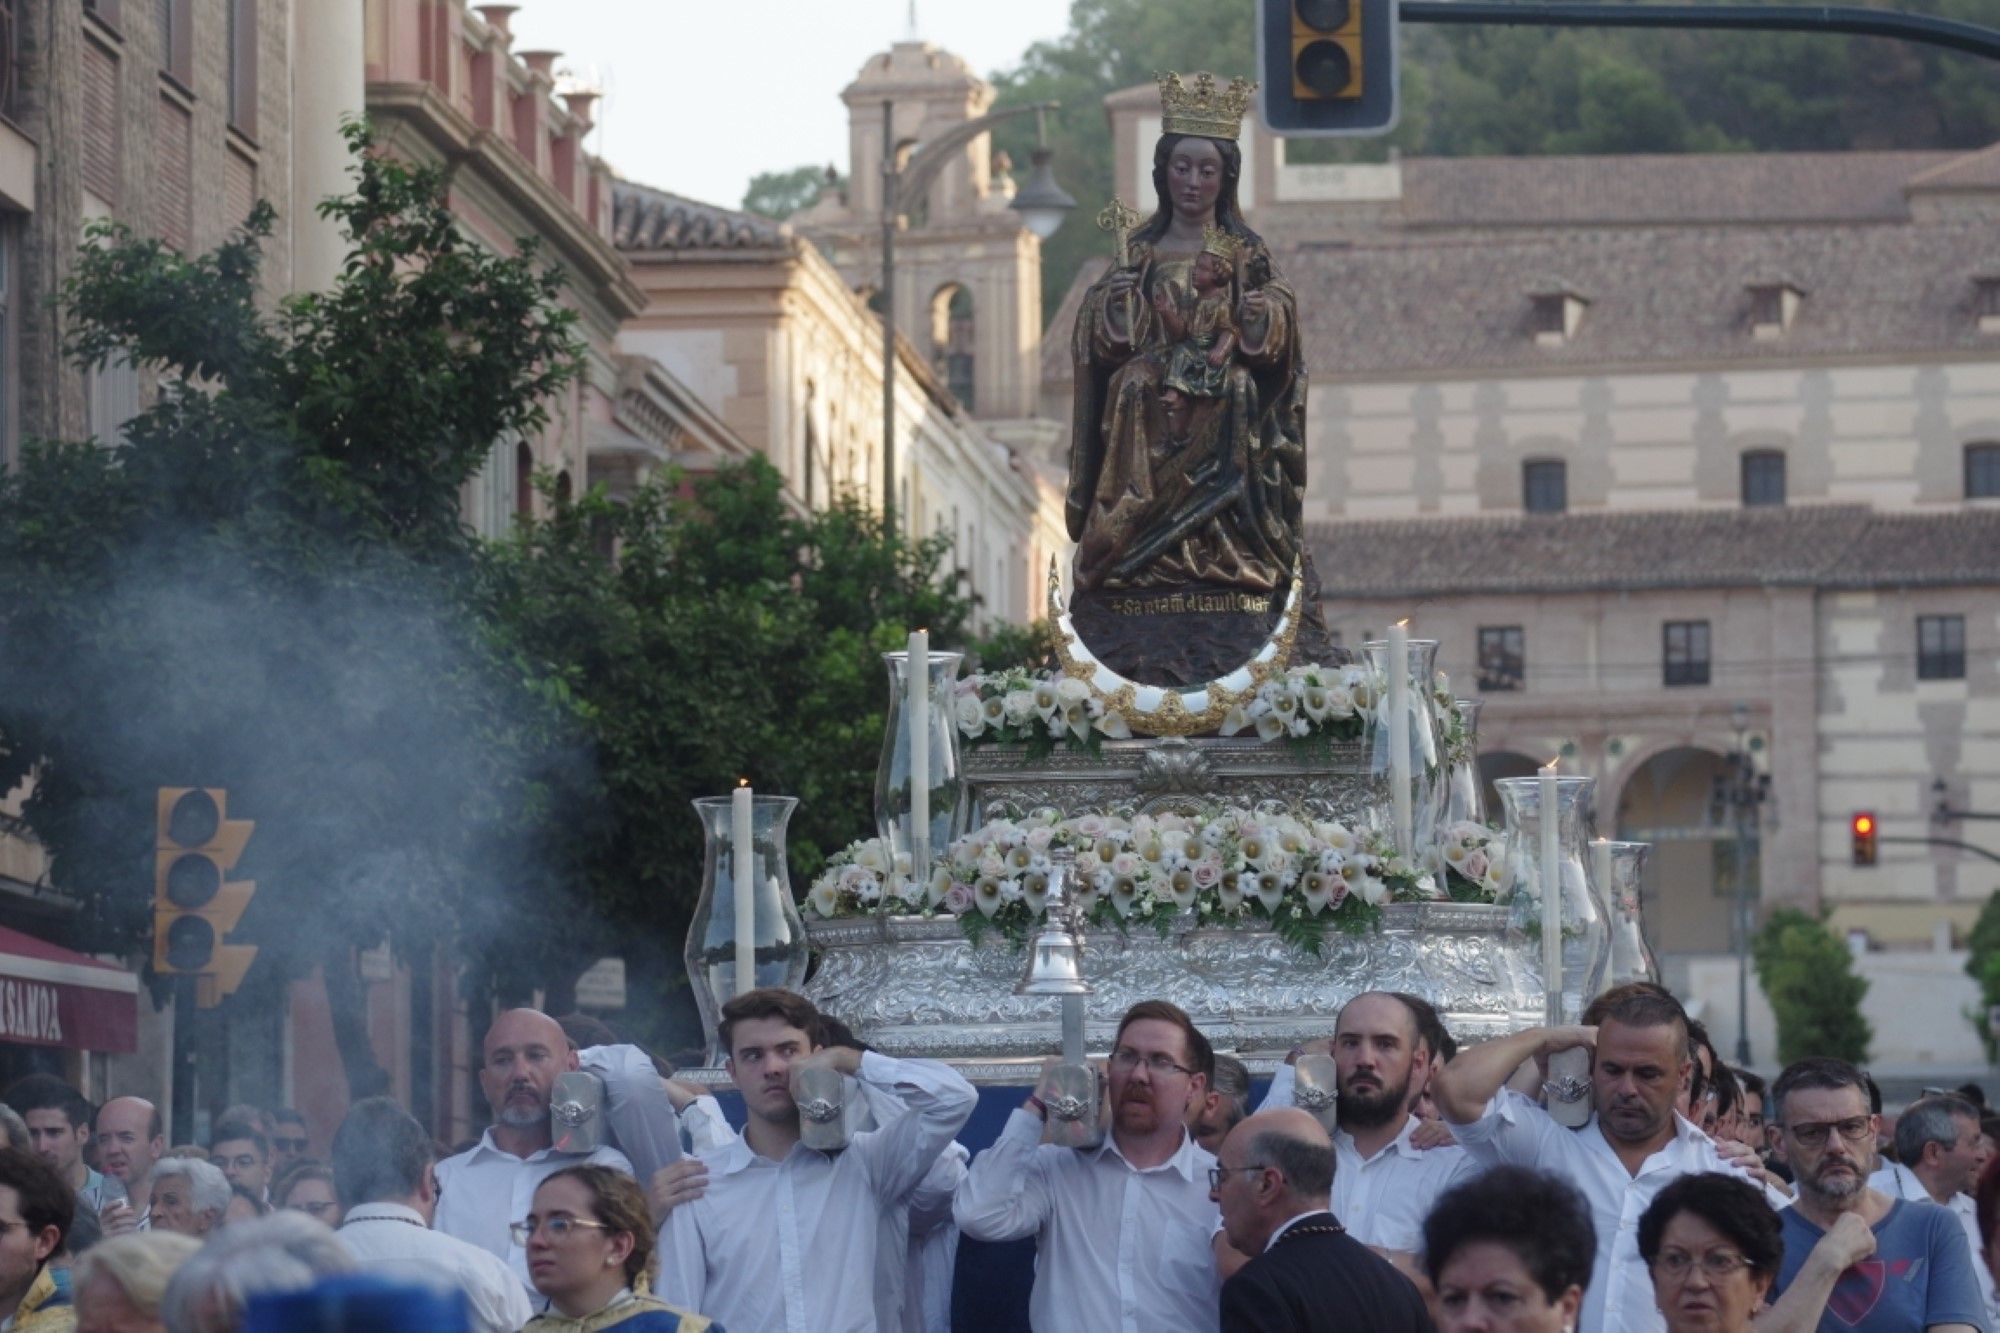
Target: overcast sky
[[700, 97]]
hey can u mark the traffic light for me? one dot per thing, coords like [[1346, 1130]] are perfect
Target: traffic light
[[1328, 67], [195, 903], [1863, 826]]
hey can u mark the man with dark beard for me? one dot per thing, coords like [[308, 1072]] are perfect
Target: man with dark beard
[[1383, 1187], [1920, 1274]]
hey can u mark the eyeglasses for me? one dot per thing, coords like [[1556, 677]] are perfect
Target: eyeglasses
[[1812, 1133], [558, 1227], [1125, 1060], [1216, 1173], [1717, 1264]]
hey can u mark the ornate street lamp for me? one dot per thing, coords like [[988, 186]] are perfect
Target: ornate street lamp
[[1042, 203]]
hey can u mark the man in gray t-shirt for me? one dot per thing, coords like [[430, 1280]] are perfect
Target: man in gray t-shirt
[[1919, 1276]]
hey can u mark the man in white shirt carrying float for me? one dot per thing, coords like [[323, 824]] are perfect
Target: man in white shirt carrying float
[[784, 1237], [491, 1186], [1384, 1186], [1631, 1148], [382, 1169], [1123, 1231]]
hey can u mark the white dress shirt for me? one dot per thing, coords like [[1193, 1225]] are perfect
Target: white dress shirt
[[1516, 1131], [1898, 1181], [1382, 1200], [392, 1239], [483, 1191], [1117, 1247], [791, 1245], [919, 1242]]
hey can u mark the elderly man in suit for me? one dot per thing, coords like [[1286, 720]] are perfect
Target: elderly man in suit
[[1274, 1183]]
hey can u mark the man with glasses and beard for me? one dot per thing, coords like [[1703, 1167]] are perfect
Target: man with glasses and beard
[[1383, 1187], [1919, 1274], [1122, 1230]]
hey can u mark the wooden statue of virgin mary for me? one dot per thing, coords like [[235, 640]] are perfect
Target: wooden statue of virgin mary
[[1187, 455]]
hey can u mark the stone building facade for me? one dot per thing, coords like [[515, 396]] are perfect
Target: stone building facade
[[1674, 455]]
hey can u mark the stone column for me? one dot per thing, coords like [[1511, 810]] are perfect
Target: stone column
[[327, 85]]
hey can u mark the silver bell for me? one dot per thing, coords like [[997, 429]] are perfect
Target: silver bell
[[1055, 964], [1055, 958]]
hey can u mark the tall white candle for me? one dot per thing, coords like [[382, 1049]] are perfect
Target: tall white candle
[[1550, 806], [1399, 737], [917, 691], [743, 877]]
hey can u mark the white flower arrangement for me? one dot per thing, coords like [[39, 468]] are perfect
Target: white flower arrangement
[[1474, 862], [1301, 876], [1018, 706], [1308, 701], [857, 877]]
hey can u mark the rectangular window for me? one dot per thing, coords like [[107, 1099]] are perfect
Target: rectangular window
[[1940, 647], [104, 9], [1551, 317], [174, 18], [1767, 306], [1763, 477], [1502, 658], [1982, 471], [242, 52], [1545, 486], [1686, 652]]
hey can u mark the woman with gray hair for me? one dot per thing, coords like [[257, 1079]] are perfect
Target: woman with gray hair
[[286, 1251], [119, 1282], [188, 1196]]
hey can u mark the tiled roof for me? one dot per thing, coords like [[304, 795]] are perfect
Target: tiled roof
[[1462, 303], [1825, 546], [643, 218], [1660, 189]]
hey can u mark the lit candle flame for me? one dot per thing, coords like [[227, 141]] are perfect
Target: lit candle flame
[[742, 782]]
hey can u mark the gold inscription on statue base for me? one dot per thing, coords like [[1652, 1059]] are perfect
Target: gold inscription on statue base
[[1182, 604]]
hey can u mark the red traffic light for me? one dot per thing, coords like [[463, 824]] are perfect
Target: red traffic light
[[1863, 826]]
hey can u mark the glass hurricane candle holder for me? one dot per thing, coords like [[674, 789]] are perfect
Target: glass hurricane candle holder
[[1406, 769], [907, 843], [1464, 793], [778, 948], [1584, 930], [1631, 957]]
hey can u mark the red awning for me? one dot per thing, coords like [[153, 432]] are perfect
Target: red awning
[[50, 996]]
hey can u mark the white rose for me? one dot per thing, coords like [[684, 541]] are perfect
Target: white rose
[[1071, 690], [1019, 705], [970, 714]]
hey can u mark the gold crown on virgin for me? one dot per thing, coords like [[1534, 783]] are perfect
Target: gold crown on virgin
[[1218, 242], [1201, 108]]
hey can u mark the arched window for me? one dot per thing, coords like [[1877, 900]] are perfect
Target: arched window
[[524, 481], [951, 340]]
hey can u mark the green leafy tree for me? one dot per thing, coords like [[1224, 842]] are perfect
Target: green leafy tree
[[779, 194], [1808, 975], [730, 638], [266, 586], [1982, 964]]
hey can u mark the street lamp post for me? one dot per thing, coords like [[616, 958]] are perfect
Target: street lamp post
[[1739, 796], [1042, 205]]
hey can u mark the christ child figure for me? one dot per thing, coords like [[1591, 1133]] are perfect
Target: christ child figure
[[1203, 334]]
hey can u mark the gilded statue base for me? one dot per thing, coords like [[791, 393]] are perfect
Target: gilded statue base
[[912, 986]]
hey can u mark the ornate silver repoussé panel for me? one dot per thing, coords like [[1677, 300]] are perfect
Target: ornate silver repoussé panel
[[912, 986]]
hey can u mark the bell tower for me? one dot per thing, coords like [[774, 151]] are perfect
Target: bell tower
[[968, 271]]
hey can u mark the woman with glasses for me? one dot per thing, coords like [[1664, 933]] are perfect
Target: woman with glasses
[[588, 1241], [1713, 1246], [308, 1188], [1509, 1252]]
